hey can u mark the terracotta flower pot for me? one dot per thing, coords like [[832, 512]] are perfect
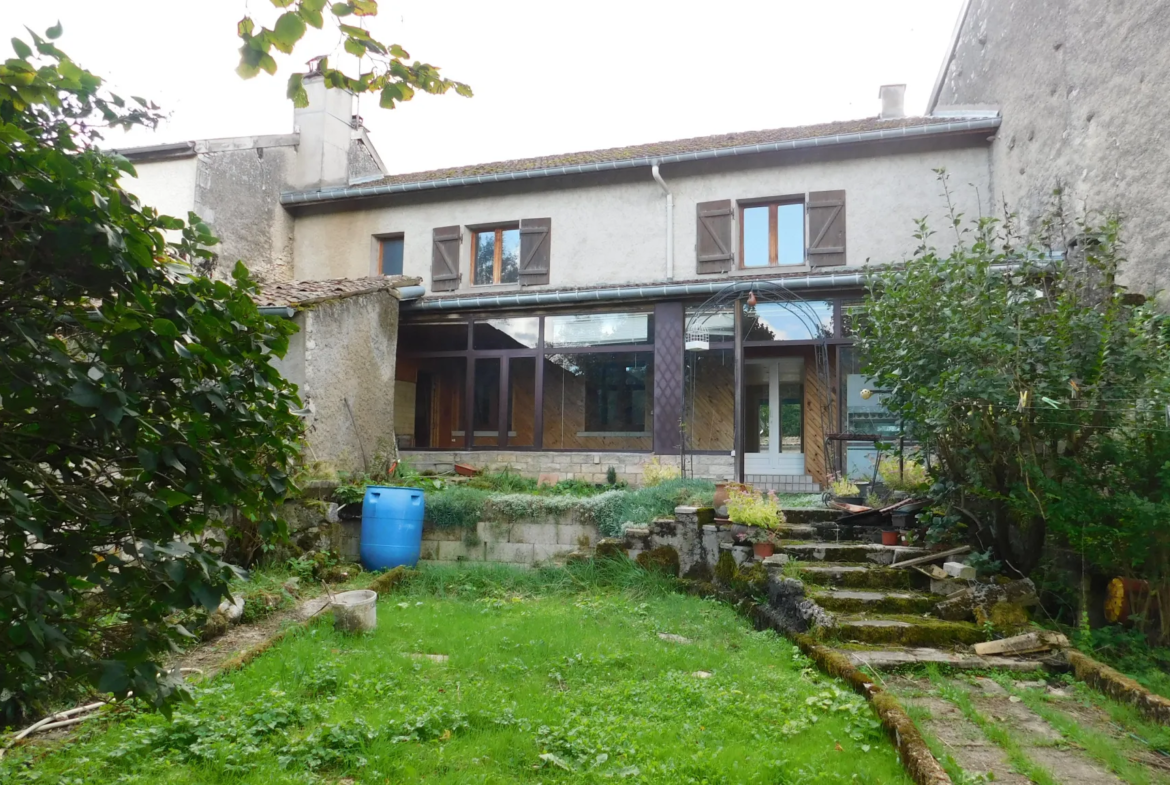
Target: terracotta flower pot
[[889, 538], [763, 549]]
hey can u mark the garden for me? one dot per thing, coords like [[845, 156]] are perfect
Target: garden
[[596, 672]]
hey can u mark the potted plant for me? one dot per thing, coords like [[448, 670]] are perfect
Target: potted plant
[[763, 542], [845, 491], [745, 507], [889, 536]]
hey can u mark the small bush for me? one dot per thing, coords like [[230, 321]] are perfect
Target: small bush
[[654, 472], [909, 476], [751, 509], [455, 507], [843, 487]]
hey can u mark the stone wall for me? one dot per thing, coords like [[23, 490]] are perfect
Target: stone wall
[[342, 361], [525, 543], [1081, 85], [587, 466]]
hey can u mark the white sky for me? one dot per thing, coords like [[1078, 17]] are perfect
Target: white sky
[[549, 77]]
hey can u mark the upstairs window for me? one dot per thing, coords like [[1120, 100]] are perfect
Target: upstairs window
[[772, 234], [390, 255], [495, 255]]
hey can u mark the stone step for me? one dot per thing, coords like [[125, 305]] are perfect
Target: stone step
[[862, 601], [810, 514], [905, 631], [898, 657], [854, 576], [851, 552]]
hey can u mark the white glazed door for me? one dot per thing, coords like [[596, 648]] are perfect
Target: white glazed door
[[771, 450]]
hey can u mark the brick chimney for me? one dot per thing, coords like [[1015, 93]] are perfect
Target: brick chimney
[[893, 101], [325, 131]]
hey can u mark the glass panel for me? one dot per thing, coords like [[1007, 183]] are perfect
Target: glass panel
[[791, 418], [510, 256], [719, 323], [447, 337], [757, 431], [852, 317], [598, 401], [486, 403], [862, 417], [755, 236], [518, 332], [522, 402], [709, 400], [789, 233], [392, 256], [792, 321], [485, 257], [598, 329], [438, 386]]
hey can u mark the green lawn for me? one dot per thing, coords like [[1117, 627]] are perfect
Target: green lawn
[[552, 676]]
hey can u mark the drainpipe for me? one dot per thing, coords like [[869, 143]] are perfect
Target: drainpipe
[[669, 222]]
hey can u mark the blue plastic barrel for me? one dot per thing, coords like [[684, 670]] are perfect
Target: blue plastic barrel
[[392, 520]]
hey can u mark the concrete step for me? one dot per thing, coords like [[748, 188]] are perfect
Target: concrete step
[[798, 531], [854, 576], [810, 514], [899, 657], [851, 552], [913, 631], [862, 601]]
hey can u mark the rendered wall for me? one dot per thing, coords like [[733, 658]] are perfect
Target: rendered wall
[[1082, 88], [168, 186], [587, 466], [611, 229]]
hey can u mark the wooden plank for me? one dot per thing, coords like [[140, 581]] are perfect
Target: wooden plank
[[931, 557], [1042, 640]]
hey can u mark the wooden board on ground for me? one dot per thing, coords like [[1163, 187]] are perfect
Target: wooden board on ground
[[931, 557], [1042, 640]]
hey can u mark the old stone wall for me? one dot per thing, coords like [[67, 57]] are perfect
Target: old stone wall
[[237, 192], [343, 362], [524, 543], [1081, 85], [587, 466]]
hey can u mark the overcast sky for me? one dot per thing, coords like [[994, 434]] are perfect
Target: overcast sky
[[549, 77]]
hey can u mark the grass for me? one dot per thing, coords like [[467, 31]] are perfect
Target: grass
[[553, 676]]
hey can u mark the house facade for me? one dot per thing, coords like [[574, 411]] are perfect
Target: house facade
[[688, 300]]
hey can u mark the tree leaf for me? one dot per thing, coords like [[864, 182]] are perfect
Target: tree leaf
[[54, 32], [289, 29], [23, 51]]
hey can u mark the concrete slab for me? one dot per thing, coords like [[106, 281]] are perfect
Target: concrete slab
[[889, 659]]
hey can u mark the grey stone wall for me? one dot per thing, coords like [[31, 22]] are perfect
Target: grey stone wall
[[237, 192], [525, 543], [587, 466], [1082, 88], [343, 360]]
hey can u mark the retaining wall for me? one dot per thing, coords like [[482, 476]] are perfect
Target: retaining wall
[[587, 466]]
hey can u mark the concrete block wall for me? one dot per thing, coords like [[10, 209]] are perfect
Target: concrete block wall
[[587, 466], [523, 543]]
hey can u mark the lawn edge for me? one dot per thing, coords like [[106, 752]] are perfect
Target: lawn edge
[[1117, 685], [916, 757]]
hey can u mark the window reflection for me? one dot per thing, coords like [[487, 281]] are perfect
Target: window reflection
[[598, 401], [598, 329]]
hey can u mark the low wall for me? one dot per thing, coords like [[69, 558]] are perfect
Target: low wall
[[524, 543], [587, 466]]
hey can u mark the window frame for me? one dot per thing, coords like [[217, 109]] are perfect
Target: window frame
[[382, 240], [497, 259], [773, 230]]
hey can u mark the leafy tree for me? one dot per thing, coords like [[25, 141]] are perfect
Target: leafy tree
[[1039, 382], [136, 400], [389, 75]]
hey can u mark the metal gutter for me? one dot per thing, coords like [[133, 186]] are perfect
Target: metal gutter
[[622, 293], [339, 193], [283, 311]]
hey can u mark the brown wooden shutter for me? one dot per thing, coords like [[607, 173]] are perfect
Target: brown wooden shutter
[[535, 243], [826, 228], [713, 245], [445, 259]]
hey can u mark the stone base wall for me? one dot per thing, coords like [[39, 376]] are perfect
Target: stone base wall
[[587, 466], [524, 543]]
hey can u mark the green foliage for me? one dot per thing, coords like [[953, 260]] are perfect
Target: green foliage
[[390, 75], [139, 400], [1129, 651], [654, 472], [663, 559], [611, 476], [843, 486], [1041, 389], [908, 475], [752, 509], [455, 507]]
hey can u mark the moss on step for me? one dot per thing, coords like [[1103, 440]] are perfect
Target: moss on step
[[906, 631], [845, 576], [907, 603], [662, 559]]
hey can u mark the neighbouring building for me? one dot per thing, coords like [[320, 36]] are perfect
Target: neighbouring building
[[689, 299], [1082, 88]]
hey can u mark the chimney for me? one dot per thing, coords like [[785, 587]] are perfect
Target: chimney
[[893, 101], [325, 131]]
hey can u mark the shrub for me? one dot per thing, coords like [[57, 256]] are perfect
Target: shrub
[[908, 475], [455, 507], [654, 472], [844, 487], [752, 509]]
